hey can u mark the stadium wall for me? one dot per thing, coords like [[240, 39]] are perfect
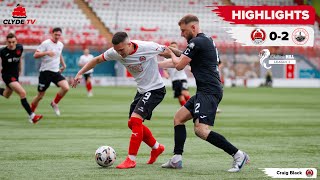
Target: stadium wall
[[250, 83], [71, 58]]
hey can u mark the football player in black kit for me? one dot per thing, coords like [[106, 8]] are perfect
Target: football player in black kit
[[11, 67], [202, 55]]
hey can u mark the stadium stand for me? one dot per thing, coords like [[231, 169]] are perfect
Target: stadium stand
[[50, 13]]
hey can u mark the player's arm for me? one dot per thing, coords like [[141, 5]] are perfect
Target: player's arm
[[166, 74], [20, 66], [166, 64], [166, 52], [90, 65], [42, 50], [63, 64], [179, 62], [175, 51], [39, 54]]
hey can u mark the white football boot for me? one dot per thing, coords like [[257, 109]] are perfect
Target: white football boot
[[55, 108], [239, 160], [175, 162]]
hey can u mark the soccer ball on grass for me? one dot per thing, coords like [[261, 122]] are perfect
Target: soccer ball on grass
[[105, 156]]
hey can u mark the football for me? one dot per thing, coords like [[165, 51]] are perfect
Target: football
[[105, 156]]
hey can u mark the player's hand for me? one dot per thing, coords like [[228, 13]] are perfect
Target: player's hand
[[76, 81], [170, 51], [62, 69], [50, 53], [166, 53], [165, 74]]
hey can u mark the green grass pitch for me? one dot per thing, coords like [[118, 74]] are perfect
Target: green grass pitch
[[276, 127]]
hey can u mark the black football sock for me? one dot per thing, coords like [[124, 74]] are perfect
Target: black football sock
[[180, 135], [26, 105], [1, 91], [221, 142]]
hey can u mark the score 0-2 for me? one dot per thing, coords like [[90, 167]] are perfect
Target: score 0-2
[[283, 36]]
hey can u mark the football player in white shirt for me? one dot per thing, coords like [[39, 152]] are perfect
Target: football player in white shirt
[[84, 59], [50, 54], [179, 81], [140, 59]]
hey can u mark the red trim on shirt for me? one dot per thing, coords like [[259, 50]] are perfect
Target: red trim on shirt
[[53, 41], [103, 57], [135, 49]]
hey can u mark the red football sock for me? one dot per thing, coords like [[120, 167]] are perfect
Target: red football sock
[[89, 86], [33, 107], [182, 102], [136, 136], [148, 137], [57, 98], [187, 97]]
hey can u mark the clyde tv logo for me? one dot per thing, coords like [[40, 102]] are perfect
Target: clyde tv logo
[[19, 15]]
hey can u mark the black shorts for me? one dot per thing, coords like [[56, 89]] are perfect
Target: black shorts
[[204, 107], [9, 78], [178, 86], [144, 104], [86, 76], [46, 77]]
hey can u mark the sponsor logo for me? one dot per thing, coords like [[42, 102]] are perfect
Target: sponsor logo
[[266, 56], [18, 52], [142, 59]]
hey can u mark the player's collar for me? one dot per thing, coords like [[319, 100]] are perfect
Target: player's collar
[[53, 41], [199, 34], [11, 49], [135, 46], [196, 36]]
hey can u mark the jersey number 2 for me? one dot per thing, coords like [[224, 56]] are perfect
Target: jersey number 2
[[196, 110]]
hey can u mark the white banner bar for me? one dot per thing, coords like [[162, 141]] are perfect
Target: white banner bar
[[282, 61], [300, 36], [291, 172]]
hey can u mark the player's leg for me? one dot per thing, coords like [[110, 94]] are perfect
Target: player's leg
[[36, 100], [177, 88], [44, 83], [61, 82], [182, 100], [6, 92], [135, 124], [151, 102], [130, 162], [64, 88], [180, 135], [203, 131], [16, 87], [185, 90], [142, 110], [148, 138], [151, 141], [240, 158], [205, 116], [87, 78], [186, 94]]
